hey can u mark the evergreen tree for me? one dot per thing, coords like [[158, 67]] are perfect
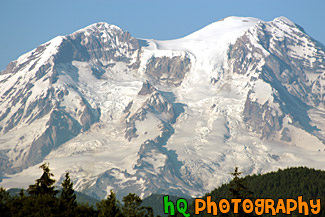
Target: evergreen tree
[[109, 206], [239, 190], [84, 210], [149, 212], [22, 193], [67, 195], [43, 185], [132, 207], [4, 200]]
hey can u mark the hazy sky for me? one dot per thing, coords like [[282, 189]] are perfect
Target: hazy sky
[[25, 24]]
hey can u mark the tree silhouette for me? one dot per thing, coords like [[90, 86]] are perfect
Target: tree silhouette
[[109, 206], [67, 195], [239, 190], [132, 207], [4, 200], [44, 185]]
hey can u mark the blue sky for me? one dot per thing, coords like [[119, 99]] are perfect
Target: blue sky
[[27, 24]]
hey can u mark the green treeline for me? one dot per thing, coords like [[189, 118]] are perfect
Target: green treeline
[[43, 200]]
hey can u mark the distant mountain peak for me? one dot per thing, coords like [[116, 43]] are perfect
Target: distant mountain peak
[[284, 20], [98, 27]]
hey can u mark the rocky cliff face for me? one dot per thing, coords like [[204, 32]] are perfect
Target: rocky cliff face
[[168, 71], [170, 117], [282, 55]]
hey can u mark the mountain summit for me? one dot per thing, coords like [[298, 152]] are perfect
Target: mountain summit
[[173, 117]]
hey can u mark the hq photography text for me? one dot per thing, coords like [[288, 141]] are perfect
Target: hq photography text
[[257, 206]]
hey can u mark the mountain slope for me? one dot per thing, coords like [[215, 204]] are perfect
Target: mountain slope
[[172, 117]]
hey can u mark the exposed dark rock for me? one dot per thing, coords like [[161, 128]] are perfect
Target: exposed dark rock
[[43, 105], [146, 89], [285, 135], [96, 48], [4, 114], [143, 43], [14, 120], [61, 127], [88, 115], [70, 50], [42, 70], [97, 72], [261, 119], [156, 104], [131, 132], [9, 68], [5, 163], [128, 107], [166, 70]]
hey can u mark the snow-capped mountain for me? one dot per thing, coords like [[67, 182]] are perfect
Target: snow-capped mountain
[[173, 117]]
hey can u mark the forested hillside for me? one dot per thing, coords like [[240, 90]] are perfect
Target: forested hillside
[[282, 184]]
